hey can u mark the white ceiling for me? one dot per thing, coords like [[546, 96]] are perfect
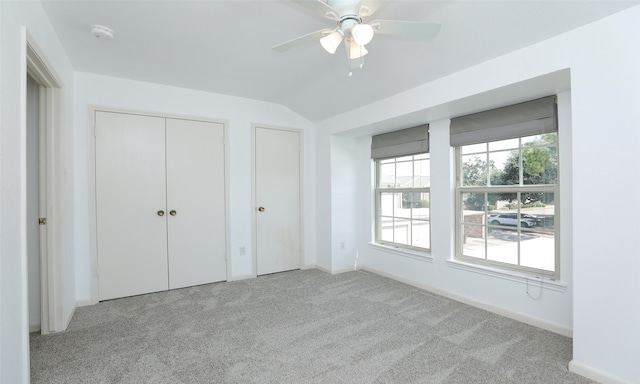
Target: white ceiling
[[225, 46]]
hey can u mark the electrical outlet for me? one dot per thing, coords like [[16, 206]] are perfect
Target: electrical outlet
[[243, 251]]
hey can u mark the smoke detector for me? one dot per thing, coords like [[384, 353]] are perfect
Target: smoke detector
[[102, 32]]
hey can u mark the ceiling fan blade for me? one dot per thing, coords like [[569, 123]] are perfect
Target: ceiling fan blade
[[313, 36], [415, 29], [319, 8]]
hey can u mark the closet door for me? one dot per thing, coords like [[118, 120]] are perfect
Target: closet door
[[277, 184], [131, 204], [196, 202]]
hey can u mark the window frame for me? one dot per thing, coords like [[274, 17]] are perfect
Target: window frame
[[378, 191], [460, 190]]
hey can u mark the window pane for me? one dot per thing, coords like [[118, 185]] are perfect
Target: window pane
[[504, 144], [421, 156], [537, 250], [502, 245], [515, 227], [474, 170], [473, 241], [503, 167], [508, 164], [403, 217], [422, 174], [387, 175], [402, 231], [386, 204], [541, 206], [420, 234], [501, 203], [403, 203], [421, 209], [386, 229], [540, 165], [474, 148], [473, 201], [540, 140], [404, 174]]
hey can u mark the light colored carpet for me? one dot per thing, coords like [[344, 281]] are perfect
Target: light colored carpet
[[298, 327]]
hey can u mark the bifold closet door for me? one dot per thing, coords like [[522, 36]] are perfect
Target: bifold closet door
[[196, 203], [131, 204]]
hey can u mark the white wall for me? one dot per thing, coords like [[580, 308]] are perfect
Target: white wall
[[599, 158], [15, 16], [345, 198], [240, 113]]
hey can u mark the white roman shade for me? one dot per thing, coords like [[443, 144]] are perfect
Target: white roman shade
[[405, 142], [525, 119]]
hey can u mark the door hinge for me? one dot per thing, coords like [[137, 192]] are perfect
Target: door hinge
[[42, 221]]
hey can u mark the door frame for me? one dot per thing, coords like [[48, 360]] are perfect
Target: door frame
[[52, 187], [254, 197], [93, 217]]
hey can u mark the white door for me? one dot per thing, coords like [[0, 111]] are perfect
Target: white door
[[277, 185], [131, 204], [196, 203]]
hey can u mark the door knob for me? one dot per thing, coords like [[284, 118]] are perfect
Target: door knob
[[172, 212], [160, 213], [261, 209]]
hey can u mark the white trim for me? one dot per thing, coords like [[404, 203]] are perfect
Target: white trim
[[504, 274], [93, 245], [254, 219], [536, 322], [52, 115], [595, 374], [84, 303], [321, 268], [243, 277], [34, 327], [403, 252], [330, 272], [71, 313], [344, 270]]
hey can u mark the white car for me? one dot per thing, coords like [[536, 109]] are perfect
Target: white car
[[511, 219]]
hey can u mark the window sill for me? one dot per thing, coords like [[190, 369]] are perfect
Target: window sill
[[523, 278], [422, 256]]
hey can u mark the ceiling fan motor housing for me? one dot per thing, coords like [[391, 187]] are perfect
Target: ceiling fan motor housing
[[347, 22]]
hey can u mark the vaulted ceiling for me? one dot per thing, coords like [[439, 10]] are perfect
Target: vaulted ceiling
[[225, 46]]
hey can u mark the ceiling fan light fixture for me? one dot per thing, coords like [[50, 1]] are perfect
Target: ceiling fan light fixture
[[362, 34], [356, 51], [331, 42]]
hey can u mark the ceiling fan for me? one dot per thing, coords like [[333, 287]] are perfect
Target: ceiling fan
[[350, 28]]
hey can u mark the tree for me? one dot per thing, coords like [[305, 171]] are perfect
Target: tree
[[539, 166], [474, 173]]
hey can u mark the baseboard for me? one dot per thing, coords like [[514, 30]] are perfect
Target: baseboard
[[326, 270], [595, 374], [242, 277], [552, 327], [320, 267], [343, 270], [34, 327], [85, 303], [73, 311]]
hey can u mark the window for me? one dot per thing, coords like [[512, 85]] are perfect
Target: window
[[402, 184], [402, 201], [507, 196]]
